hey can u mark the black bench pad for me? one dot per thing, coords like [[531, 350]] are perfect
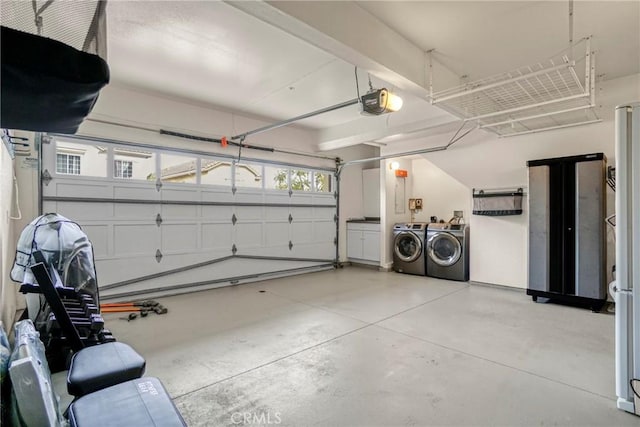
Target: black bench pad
[[102, 366], [141, 402]]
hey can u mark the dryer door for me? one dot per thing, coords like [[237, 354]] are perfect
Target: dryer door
[[444, 249], [407, 246]]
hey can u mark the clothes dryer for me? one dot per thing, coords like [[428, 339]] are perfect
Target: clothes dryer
[[447, 251]]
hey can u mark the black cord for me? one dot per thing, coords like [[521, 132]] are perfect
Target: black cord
[[357, 85], [240, 148]]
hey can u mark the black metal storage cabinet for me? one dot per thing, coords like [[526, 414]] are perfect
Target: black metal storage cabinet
[[567, 252]]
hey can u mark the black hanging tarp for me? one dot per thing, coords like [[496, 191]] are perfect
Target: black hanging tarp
[[47, 86]]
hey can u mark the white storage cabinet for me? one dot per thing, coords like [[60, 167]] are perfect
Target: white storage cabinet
[[363, 242]]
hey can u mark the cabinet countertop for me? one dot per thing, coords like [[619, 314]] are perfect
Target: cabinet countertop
[[365, 220]]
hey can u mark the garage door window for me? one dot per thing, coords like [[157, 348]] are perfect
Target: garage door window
[[322, 182], [248, 175], [80, 159], [301, 180], [215, 172], [178, 169], [276, 178]]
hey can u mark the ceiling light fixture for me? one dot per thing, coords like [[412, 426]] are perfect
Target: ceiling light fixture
[[394, 166], [380, 101]]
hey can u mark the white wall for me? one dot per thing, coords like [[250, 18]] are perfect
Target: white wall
[[499, 248], [441, 194], [388, 214], [7, 289], [12, 206]]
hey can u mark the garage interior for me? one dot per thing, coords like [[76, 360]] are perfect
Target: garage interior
[[233, 170]]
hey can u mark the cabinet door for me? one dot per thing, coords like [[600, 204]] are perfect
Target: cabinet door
[[371, 245], [354, 244], [589, 230], [371, 192], [539, 226]]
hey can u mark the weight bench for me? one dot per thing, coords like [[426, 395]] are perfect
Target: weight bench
[[105, 379]]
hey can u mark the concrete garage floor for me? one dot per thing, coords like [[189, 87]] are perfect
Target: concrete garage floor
[[357, 347]]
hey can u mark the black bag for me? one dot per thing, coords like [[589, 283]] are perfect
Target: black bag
[[47, 86]]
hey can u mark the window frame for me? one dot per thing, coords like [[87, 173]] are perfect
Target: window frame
[[68, 165], [122, 170], [329, 183]]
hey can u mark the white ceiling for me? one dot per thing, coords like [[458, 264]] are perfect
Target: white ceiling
[[213, 53], [483, 38]]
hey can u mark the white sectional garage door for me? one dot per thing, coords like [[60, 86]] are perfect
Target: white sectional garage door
[[164, 222]]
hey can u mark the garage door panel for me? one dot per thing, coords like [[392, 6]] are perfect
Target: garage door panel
[[244, 197], [180, 192], [301, 213], [324, 213], [273, 213], [135, 190], [301, 231], [249, 234], [249, 213], [99, 238], [216, 236], [323, 251], [315, 250], [171, 212], [135, 239], [277, 197], [178, 238], [299, 198], [324, 199], [280, 251], [112, 271], [217, 213], [69, 189], [324, 231], [276, 233], [216, 195], [180, 261], [197, 214], [48, 206], [130, 211], [82, 211]]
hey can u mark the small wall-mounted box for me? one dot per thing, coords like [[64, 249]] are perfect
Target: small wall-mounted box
[[401, 173], [415, 204]]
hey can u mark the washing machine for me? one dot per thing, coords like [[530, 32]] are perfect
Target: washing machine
[[408, 248], [447, 251]]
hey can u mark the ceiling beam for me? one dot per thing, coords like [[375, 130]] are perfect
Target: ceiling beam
[[351, 33]]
